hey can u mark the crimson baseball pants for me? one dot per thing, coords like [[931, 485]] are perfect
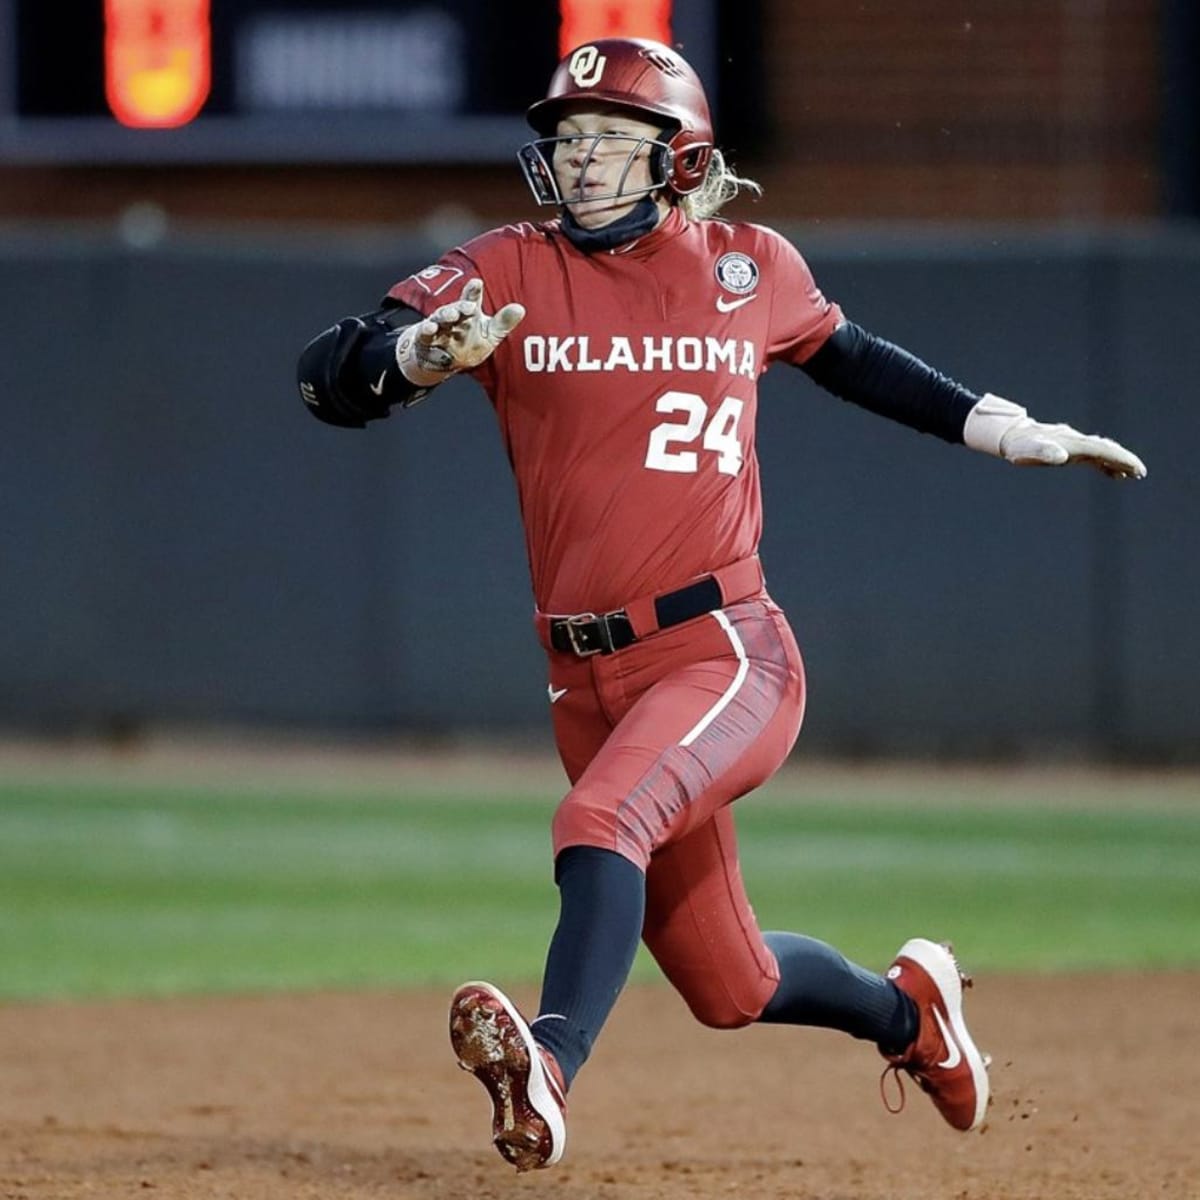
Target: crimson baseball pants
[[658, 741]]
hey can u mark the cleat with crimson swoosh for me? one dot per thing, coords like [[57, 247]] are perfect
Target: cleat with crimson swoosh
[[943, 1058]]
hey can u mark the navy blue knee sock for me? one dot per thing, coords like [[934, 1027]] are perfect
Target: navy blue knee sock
[[602, 899], [817, 986]]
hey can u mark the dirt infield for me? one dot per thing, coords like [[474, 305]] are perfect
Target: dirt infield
[[357, 1095]]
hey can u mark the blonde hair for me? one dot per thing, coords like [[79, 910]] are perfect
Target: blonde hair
[[720, 186]]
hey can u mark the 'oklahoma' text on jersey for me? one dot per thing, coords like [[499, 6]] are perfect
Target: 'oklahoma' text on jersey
[[641, 354]]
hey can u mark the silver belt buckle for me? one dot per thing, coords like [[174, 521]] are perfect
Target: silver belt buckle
[[573, 624]]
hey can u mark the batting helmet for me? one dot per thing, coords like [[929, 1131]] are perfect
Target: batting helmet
[[647, 78]]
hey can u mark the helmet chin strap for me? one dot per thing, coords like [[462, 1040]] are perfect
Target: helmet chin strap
[[636, 223]]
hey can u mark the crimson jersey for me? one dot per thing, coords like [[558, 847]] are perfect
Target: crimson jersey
[[627, 396]]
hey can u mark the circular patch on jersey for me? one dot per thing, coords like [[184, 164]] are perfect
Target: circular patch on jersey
[[737, 272]]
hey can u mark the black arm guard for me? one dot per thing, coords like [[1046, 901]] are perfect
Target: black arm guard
[[348, 375], [881, 377]]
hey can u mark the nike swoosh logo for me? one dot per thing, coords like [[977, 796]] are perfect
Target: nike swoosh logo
[[377, 388], [724, 305], [556, 694], [953, 1053]]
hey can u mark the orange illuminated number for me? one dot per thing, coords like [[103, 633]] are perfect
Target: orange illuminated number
[[157, 60], [587, 20]]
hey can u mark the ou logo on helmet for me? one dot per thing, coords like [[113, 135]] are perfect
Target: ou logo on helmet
[[586, 66]]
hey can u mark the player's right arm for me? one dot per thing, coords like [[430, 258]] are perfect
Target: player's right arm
[[458, 336], [359, 369], [348, 374]]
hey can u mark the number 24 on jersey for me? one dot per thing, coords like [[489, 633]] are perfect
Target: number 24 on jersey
[[665, 451]]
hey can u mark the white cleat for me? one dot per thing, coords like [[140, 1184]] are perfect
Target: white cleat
[[493, 1042]]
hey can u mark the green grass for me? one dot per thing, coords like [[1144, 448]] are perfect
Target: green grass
[[134, 889]]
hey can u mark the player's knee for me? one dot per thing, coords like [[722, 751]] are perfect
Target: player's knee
[[722, 1007], [580, 822], [717, 1013], [587, 818]]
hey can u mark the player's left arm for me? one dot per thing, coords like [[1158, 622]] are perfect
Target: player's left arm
[[877, 375]]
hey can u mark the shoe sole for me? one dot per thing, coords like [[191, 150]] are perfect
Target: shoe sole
[[942, 967], [493, 1042]]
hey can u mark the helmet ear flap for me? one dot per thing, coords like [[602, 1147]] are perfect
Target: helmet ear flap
[[688, 166]]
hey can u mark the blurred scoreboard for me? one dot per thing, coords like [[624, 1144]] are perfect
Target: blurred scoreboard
[[287, 81]]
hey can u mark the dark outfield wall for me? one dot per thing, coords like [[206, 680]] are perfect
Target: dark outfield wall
[[182, 543]]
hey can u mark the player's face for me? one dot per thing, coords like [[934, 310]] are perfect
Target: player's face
[[603, 168]]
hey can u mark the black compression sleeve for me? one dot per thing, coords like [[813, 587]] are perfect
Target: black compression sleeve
[[348, 374], [881, 377]]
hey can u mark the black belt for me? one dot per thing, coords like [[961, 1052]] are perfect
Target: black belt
[[606, 633]]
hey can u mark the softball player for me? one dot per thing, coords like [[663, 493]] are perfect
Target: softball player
[[621, 346]]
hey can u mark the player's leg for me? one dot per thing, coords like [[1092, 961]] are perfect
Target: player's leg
[[702, 733], [527, 1069], [491, 1038], [703, 933]]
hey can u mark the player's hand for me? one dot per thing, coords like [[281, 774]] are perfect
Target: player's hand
[[1000, 427], [453, 338]]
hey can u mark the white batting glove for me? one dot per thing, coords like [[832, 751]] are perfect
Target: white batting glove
[[1000, 427], [453, 338]]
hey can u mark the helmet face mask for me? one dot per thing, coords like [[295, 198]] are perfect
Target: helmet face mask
[[537, 161], [644, 78]]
